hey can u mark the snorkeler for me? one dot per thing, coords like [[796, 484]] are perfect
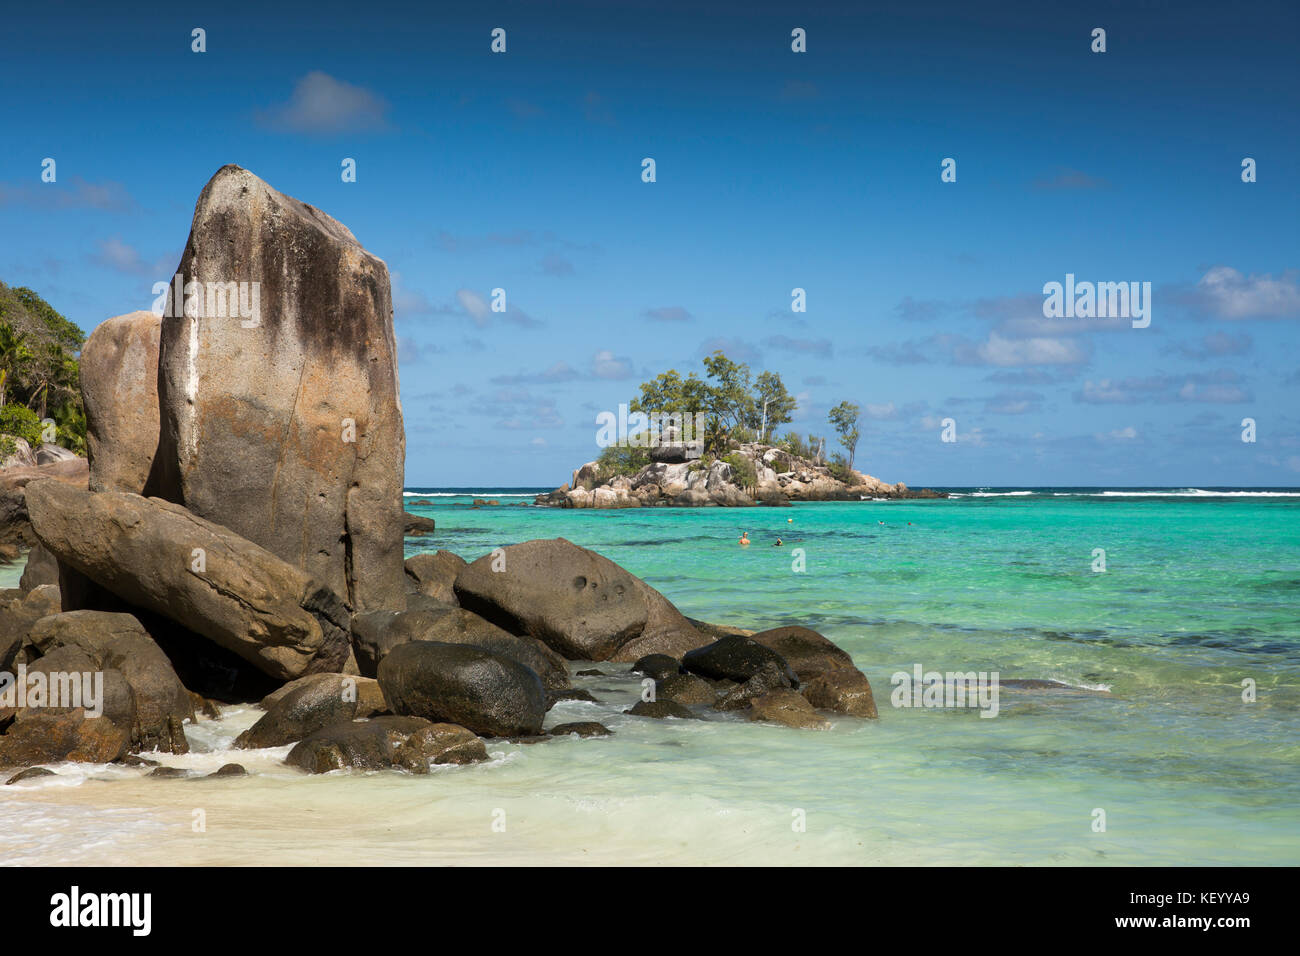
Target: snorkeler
[[778, 543]]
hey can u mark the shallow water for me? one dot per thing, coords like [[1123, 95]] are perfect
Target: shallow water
[[1199, 593]]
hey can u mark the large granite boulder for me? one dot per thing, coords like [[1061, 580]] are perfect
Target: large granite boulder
[[376, 633], [156, 555], [579, 603], [118, 642], [492, 695], [119, 385], [280, 418]]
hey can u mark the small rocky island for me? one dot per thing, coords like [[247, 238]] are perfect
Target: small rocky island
[[238, 535], [753, 473]]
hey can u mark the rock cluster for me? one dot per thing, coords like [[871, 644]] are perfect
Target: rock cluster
[[673, 480], [238, 534]]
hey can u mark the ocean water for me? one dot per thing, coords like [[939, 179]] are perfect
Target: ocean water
[[1201, 591]]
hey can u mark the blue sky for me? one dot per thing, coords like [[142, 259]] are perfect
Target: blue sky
[[775, 170]]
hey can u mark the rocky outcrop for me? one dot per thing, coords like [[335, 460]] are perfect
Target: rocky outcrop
[[788, 707], [674, 479], [278, 389], [827, 675], [119, 386], [492, 695], [15, 526], [406, 743], [118, 642], [155, 555], [577, 602]]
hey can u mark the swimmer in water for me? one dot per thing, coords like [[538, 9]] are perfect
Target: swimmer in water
[[778, 543], [744, 537]]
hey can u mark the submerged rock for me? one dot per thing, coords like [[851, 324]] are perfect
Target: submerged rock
[[661, 709], [788, 707], [582, 728], [407, 743]]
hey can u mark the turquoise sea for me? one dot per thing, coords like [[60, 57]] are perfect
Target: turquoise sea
[[1201, 591]]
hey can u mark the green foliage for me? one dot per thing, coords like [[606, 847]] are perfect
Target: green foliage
[[20, 422], [617, 460], [38, 363], [7, 446], [742, 469], [844, 417], [840, 469], [771, 407], [731, 401]]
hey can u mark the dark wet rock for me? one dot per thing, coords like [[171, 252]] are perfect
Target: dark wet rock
[[286, 427], [168, 772], [735, 658], [657, 666], [434, 574], [492, 695], [134, 760], [770, 677], [686, 689], [143, 550], [229, 770], [806, 651], [310, 704], [591, 673], [788, 707], [417, 525], [843, 690], [583, 728], [660, 709], [205, 707], [407, 743], [571, 694], [30, 773]]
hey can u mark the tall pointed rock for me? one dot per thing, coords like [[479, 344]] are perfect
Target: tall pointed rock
[[278, 389]]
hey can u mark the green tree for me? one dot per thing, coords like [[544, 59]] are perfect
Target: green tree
[[15, 356], [773, 406], [844, 418]]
